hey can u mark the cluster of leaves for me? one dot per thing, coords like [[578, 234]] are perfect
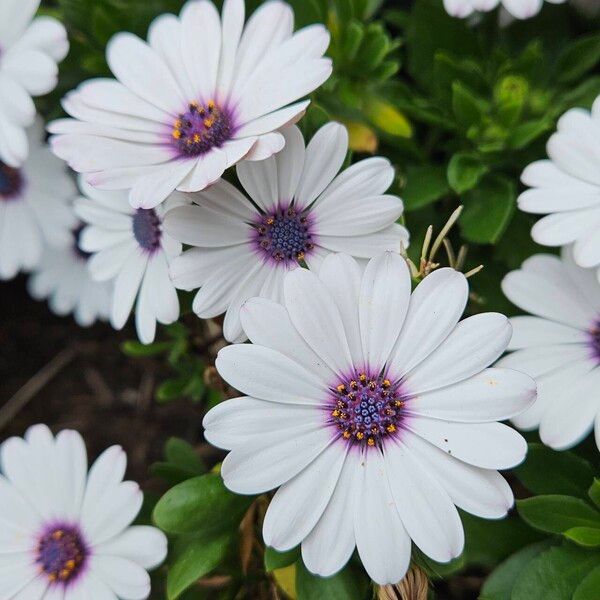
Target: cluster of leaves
[[565, 564]]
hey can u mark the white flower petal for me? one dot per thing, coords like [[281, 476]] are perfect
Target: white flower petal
[[268, 462], [259, 179], [381, 539], [529, 332], [146, 546], [434, 310], [298, 504], [485, 445], [314, 314], [325, 155], [426, 510], [127, 285], [269, 375], [383, 303], [124, 577], [491, 395], [474, 344]]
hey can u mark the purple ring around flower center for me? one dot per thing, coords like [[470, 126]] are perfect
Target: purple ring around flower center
[[11, 182], [147, 229], [594, 334], [366, 409], [284, 236], [61, 553], [202, 127]]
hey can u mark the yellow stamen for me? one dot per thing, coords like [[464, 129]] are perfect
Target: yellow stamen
[[371, 441], [340, 388], [390, 428]]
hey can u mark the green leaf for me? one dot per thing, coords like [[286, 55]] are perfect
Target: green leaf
[[549, 472], [589, 537], [181, 454], [488, 210], [374, 48], [557, 513], [137, 349], [499, 585], [424, 184], [279, 560], [527, 132], [589, 586], [465, 171], [354, 33], [202, 505], [346, 585], [594, 492], [194, 557], [468, 108], [489, 542], [578, 58], [171, 389], [554, 574]]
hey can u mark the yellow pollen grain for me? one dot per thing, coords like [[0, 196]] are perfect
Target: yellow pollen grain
[[371, 441], [211, 104], [363, 377], [197, 138], [300, 256], [346, 434], [57, 535], [340, 388], [360, 435], [353, 384], [398, 403], [386, 383], [335, 413], [390, 428], [270, 221], [176, 134], [208, 123]]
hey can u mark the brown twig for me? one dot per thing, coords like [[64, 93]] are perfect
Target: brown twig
[[21, 398]]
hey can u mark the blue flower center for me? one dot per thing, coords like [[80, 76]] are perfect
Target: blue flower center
[[284, 235], [61, 554], [201, 128], [147, 229], [11, 182], [366, 409]]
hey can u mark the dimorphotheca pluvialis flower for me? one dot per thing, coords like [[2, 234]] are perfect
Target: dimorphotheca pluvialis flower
[[567, 187], [300, 211], [372, 411], [130, 248], [66, 533], [35, 207], [204, 93], [559, 345], [520, 9], [29, 51], [62, 276]]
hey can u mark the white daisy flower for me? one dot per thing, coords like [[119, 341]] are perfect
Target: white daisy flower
[[129, 246], [65, 533], [559, 346], [302, 211], [519, 9], [373, 412], [568, 187], [34, 207], [62, 277], [203, 94], [29, 52]]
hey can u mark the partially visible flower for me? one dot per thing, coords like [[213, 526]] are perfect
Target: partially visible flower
[[559, 346], [29, 51], [373, 412], [129, 246], [520, 9], [203, 94], [66, 533], [34, 207], [301, 210], [62, 276], [568, 187]]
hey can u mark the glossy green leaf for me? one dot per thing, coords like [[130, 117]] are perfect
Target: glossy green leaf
[[499, 585], [468, 108], [194, 557], [557, 513], [589, 537], [279, 560], [465, 171], [594, 492], [488, 210], [348, 584], [201, 505], [424, 184], [546, 471], [555, 574], [578, 58], [589, 587]]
